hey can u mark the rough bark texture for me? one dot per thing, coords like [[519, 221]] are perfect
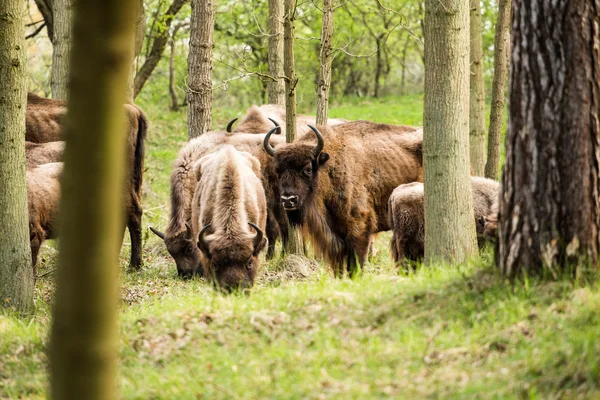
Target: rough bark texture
[[200, 67], [138, 42], [83, 340], [16, 273], [501, 61], [325, 57], [45, 8], [276, 89], [172, 88], [449, 221], [477, 96], [289, 70], [62, 11], [158, 46], [550, 213]]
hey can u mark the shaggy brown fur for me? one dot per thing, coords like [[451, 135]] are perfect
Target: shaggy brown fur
[[43, 195], [229, 196], [340, 195], [407, 220], [179, 237], [43, 153], [44, 118]]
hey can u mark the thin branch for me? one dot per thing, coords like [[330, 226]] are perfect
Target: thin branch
[[36, 32]]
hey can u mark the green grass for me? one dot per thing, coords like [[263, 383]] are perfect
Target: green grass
[[443, 332]]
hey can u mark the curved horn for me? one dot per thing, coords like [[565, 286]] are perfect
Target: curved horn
[[268, 148], [158, 233], [320, 140], [276, 124], [259, 234], [230, 124], [202, 243]]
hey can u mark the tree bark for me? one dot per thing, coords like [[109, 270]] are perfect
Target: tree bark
[[477, 95], [288, 66], [16, 273], [550, 212], [449, 218], [158, 46], [501, 61], [325, 57], [61, 47], [45, 8], [83, 343], [172, 88], [138, 42], [276, 88], [200, 67]]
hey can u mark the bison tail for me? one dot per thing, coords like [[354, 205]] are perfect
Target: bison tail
[[139, 153]]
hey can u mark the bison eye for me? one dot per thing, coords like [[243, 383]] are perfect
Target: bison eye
[[190, 249], [249, 265], [307, 170]]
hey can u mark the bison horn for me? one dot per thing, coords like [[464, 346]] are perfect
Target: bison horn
[[320, 140], [268, 148], [158, 233], [230, 124], [259, 235], [202, 243], [275, 123]]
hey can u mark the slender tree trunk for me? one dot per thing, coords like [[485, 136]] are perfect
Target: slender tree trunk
[[45, 8], [288, 66], [16, 273], [325, 57], [550, 210], [200, 67], [403, 79], [172, 88], [449, 218], [276, 89], [140, 31], [61, 47], [501, 61], [477, 96], [83, 345], [378, 68]]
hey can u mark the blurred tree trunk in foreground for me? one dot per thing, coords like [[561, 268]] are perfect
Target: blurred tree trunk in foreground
[[550, 211], [83, 344], [477, 96], [276, 88], [16, 273]]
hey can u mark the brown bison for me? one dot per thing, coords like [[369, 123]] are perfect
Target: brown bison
[[43, 195], [407, 218], [338, 187], [180, 238], [43, 153], [44, 124], [229, 211]]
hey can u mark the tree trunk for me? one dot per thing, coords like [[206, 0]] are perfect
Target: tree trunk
[[172, 88], [276, 89], [138, 42], [16, 273], [449, 218], [325, 57], [200, 67], [550, 211], [289, 70], [83, 343], [378, 68], [45, 8], [403, 79], [477, 96], [501, 61], [61, 47]]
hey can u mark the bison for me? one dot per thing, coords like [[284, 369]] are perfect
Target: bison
[[43, 195], [338, 187], [43, 153], [229, 210], [407, 219], [44, 124]]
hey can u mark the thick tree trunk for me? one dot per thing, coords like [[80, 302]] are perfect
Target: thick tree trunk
[[16, 273], [501, 61], [200, 67], [276, 89], [325, 57], [550, 210], [83, 344], [61, 47], [477, 96], [449, 220]]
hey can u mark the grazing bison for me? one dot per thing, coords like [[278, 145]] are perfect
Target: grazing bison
[[229, 211], [338, 187], [43, 153], [44, 119], [407, 217], [43, 194], [180, 238]]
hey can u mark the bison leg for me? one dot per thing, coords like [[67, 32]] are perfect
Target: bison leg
[[134, 224], [272, 235], [356, 256]]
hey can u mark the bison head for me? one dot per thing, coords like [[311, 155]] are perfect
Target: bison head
[[297, 166], [36, 237], [231, 262], [184, 251]]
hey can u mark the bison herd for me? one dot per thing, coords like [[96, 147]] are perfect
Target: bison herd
[[235, 192]]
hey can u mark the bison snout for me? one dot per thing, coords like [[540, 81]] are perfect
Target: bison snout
[[289, 202]]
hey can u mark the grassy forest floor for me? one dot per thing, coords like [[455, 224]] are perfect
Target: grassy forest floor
[[441, 332]]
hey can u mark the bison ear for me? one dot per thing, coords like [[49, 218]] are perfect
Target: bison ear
[[322, 158]]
